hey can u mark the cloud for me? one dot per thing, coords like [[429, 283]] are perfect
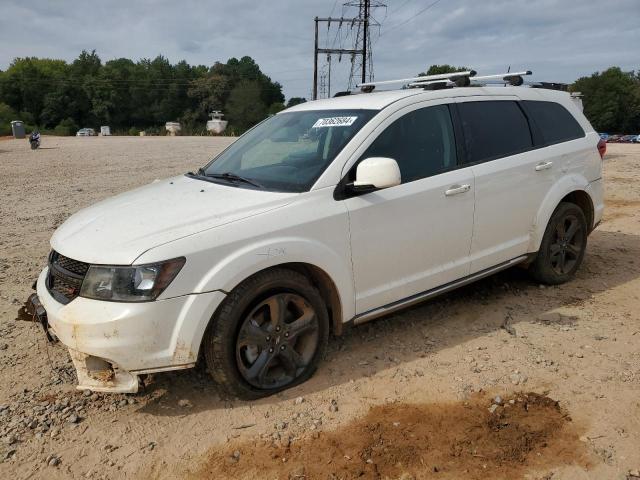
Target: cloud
[[559, 40]]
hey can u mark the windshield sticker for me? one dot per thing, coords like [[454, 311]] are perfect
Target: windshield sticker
[[334, 122]]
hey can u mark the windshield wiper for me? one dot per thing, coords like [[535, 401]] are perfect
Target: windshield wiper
[[231, 177]]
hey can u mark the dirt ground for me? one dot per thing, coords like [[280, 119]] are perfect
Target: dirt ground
[[410, 396]]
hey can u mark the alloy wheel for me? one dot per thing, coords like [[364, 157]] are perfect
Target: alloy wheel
[[277, 341], [567, 244]]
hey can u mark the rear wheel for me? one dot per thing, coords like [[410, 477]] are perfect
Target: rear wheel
[[268, 335], [562, 247]]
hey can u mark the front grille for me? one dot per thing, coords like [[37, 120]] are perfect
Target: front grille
[[72, 265], [65, 277]]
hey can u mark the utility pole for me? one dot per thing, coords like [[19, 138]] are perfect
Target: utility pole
[[366, 13], [315, 64], [329, 77], [362, 40]]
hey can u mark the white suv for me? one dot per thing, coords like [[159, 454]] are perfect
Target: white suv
[[328, 214]]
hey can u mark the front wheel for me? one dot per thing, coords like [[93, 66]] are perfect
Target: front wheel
[[562, 247], [268, 335]]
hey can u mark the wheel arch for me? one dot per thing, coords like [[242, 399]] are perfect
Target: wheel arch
[[572, 189], [327, 288], [318, 278], [325, 285], [584, 201]]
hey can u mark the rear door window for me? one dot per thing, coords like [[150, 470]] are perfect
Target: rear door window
[[494, 129], [554, 122]]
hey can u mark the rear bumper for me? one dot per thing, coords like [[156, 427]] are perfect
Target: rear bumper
[[111, 343], [595, 190]]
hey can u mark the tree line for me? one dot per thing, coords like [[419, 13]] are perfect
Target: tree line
[[61, 97]]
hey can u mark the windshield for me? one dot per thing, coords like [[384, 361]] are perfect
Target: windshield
[[286, 152]]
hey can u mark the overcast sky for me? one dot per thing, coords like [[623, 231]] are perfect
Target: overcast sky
[[559, 40]]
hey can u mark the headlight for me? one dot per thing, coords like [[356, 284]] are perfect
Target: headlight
[[140, 283]]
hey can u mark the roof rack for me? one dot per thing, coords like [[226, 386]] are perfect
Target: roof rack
[[460, 79], [455, 77], [512, 78]]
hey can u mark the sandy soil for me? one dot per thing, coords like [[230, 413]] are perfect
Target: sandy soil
[[403, 397]]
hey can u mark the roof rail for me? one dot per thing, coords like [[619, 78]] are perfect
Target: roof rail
[[563, 87], [456, 77]]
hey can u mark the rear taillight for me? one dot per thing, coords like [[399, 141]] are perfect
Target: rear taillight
[[602, 148]]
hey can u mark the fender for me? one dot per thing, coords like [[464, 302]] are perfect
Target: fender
[[235, 267], [231, 270], [566, 185]]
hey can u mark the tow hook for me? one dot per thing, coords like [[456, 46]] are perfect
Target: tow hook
[[33, 311]]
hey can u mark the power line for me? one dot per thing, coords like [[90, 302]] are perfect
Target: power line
[[396, 10], [417, 14], [334, 7]]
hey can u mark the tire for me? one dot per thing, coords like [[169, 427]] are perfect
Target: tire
[[269, 334], [562, 247]]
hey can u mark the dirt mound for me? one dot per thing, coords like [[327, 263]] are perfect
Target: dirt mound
[[474, 439]]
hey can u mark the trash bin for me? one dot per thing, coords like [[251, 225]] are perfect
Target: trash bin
[[105, 131], [17, 127]]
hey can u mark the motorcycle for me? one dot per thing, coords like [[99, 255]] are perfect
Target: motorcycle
[[34, 140]]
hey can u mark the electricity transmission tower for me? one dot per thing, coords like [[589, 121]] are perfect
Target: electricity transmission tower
[[360, 55]]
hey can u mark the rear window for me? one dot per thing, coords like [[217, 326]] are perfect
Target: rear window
[[554, 122], [494, 129]]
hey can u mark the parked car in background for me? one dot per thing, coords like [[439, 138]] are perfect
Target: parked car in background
[[637, 139], [604, 136], [628, 138], [614, 138], [86, 132]]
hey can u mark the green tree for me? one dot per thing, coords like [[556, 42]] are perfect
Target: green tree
[[276, 107], [245, 107], [27, 81], [611, 100], [146, 94], [66, 128], [210, 93], [293, 101], [7, 115], [440, 69]]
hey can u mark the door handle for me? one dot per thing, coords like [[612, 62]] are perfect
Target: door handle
[[543, 166], [456, 189]]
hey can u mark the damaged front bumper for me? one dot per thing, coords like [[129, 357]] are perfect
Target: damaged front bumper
[[99, 375], [93, 373], [112, 343]]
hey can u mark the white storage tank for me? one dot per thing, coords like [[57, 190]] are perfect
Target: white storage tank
[[216, 124], [172, 128]]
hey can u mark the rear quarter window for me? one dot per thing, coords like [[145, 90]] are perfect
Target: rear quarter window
[[554, 122], [494, 129]]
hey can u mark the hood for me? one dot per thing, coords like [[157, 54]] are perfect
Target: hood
[[119, 229]]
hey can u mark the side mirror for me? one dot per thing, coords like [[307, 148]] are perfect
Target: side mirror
[[376, 173]]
